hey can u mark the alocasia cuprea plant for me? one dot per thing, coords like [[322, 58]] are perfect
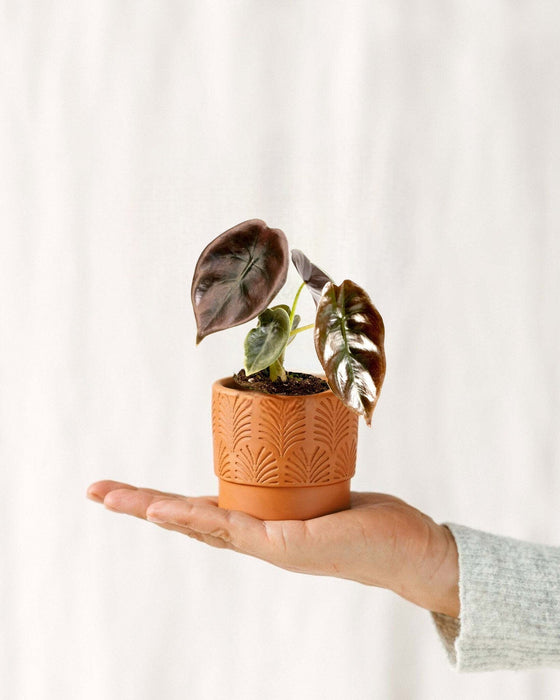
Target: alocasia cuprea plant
[[239, 274]]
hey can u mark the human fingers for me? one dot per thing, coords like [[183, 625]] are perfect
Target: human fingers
[[130, 500], [99, 490], [273, 541], [212, 525], [136, 502], [324, 545], [201, 519], [207, 539]]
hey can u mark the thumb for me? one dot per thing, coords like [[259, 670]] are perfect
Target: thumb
[[208, 522], [289, 544]]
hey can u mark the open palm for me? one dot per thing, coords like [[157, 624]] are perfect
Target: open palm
[[380, 540]]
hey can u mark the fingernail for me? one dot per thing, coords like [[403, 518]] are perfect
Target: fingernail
[[94, 497], [154, 518]]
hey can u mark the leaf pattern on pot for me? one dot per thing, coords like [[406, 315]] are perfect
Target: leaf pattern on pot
[[345, 460], [282, 425], [232, 419], [256, 467], [304, 468], [224, 462], [272, 442], [334, 423]]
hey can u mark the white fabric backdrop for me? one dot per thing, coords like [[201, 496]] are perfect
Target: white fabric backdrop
[[411, 146]]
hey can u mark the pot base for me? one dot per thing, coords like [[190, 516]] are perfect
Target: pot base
[[285, 502]]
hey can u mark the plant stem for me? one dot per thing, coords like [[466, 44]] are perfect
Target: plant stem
[[303, 328], [276, 370], [293, 311]]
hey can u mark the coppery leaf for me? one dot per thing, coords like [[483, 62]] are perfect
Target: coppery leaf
[[237, 276], [313, 276], [349, 335]]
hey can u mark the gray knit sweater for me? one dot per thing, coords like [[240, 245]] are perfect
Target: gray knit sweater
[[510, 604]]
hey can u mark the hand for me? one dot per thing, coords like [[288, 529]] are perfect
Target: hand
[[379, 541]]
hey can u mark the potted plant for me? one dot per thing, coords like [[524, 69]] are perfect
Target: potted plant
[[285, 442]]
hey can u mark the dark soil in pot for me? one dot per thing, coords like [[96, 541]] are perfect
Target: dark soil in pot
[[297, 383]]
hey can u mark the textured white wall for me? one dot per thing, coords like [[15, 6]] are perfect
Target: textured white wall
[[411, 146]]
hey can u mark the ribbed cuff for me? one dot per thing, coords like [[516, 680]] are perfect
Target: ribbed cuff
[[509, 592]]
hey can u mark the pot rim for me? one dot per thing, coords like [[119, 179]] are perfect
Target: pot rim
[[227, 384]]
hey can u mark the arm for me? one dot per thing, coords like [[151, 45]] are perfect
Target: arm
[[508, 595], [380, 541]]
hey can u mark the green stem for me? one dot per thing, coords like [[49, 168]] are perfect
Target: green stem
[[302, 328], [293, 311], [276, 370]]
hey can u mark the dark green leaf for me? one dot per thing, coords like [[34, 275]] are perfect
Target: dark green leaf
[[265, 343], [282, 306], [349, 336], [310, 274], [237, 276]]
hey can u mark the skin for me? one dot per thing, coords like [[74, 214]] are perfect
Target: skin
[[379, 541]]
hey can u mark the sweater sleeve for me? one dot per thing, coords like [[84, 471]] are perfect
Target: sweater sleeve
[[510, 604]]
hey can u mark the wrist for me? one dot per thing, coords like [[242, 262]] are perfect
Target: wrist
[[432, 581], [443, 589]]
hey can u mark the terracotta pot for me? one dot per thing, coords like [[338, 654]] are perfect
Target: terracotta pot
[[282, 457]]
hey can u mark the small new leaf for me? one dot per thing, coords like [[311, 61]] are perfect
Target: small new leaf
[[349, 335], [265, 343], [282, 306], [314, 277]]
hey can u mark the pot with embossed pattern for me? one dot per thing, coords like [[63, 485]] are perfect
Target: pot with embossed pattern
[[285, 442], [282, 457]]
